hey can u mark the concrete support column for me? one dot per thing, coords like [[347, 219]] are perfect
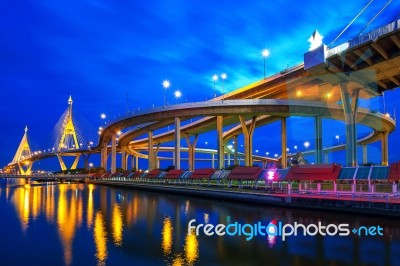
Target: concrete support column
[[150, 151], [137, 162], [123, 158], [384, 148], [334, 186], [177, 161], [133, 165], [228, 158], [212, 160], [364, 154], [264, 164], [284, 142], [350, 106], [319, 187], [220, 143], [318, 139], [235, 153], [113, 153], [326, 157], [394, 187], [86, 160], [103, 156], [191, 149], [248, 139], [289, 188]]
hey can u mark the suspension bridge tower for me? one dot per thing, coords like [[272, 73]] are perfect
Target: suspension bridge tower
[[21, 157], [68, 141]]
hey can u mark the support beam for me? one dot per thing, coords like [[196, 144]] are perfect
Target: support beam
[[191, 150], [248, 139], [284, 143], [366, 56], [396, 40], [124, 161], [384, 148], [220, 143], [152, 162], [235, 153], [133, 165], [177, 161], [86, 160], [364, 154], [104, 157], [350, 106], [213, 160], [394, 80], [380, 50], [113, 153], [318, 139]]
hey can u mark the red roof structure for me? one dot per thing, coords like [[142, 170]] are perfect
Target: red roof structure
[[245, 173], [204, 173], [394, 174], [175, 173], [314, 172]]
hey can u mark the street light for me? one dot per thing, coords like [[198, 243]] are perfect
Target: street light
[[223, 77], [265, 53], [267, 153], [166, 84], [90, 165], [178, 95], [307, 144], [215, 78], [337, 137], [276, 155], [102, 117], [295, 147]]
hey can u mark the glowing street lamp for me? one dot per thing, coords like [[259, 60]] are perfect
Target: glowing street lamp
[[215, 78], [223, 77], [337, 137], [178, 95], [295, 147], [307, 144], [102, 117], [265, 54], [276, 155], [267, 153], [166, 84], [90, 165]]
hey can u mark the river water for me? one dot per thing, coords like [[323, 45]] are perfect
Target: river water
[[85, 224]]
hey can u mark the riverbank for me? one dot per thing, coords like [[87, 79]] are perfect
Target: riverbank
[[339, 202]]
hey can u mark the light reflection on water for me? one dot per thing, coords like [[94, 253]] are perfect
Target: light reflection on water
[[79, 224]]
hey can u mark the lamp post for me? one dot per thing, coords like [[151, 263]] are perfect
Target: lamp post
[[90, 165], [215, 78], [265, 53], [337, 137], [166, 84], [223, 77], [177, 94]]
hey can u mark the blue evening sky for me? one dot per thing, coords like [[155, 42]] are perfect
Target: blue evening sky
[[113, 55]]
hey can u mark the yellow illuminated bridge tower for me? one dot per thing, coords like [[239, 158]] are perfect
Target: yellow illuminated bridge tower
[[23, 152], [68, 140]]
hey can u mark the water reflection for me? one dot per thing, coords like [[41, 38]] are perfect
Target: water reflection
[[191, 247], [167, 232], [78, 221], [117, 225], [100, 238]]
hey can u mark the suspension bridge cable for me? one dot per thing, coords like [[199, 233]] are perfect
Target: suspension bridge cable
[[351, 22], [380, 11]]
